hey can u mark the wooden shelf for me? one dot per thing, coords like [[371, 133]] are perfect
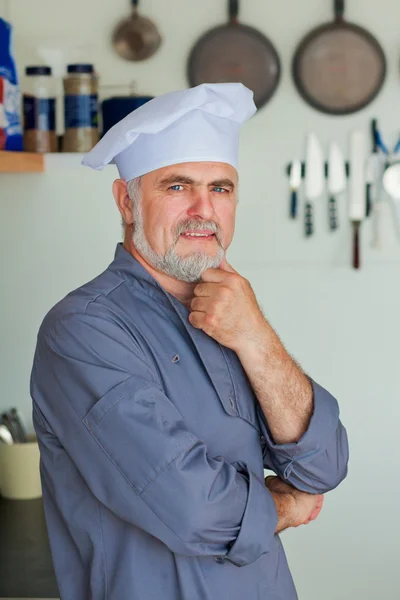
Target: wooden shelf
[[21, 162], [29, 162]]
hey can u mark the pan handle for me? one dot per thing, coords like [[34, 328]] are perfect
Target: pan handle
[[233, 10], [339, 10]]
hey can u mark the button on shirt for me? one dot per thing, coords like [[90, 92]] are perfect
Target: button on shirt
[[153, 448]]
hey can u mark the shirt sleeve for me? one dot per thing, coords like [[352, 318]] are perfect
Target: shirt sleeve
[[318, 462], [93, 386]]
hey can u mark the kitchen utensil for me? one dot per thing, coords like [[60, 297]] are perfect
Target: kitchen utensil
[[12, 421], [136, 38], [236, 53], [391, 180], [339, 67], [5, 435], [314, 180], [377, 207], [391, 184], [385, 160], [357, 190], [294, 181], [337, 181], [370, 179], [17, 418], [7, 422], [372, 169]]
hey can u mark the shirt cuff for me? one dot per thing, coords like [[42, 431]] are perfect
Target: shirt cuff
[[323, 424], [258, 525]]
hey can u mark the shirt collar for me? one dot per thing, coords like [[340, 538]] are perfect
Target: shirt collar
[[131, 269]]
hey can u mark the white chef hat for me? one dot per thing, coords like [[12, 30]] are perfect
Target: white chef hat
[[194, 125]]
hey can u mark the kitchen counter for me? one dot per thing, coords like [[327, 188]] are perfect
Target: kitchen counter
[[26, 568]]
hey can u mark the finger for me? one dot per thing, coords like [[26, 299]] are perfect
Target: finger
[[315, 513], [205, 289], [214, 276], [225, 266], [270, 478], [200, 304], [197, 319]]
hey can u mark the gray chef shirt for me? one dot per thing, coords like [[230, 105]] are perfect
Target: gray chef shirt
[[153, 447]]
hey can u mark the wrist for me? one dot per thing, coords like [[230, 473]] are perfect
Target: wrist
[[285, 505], [257, 344]]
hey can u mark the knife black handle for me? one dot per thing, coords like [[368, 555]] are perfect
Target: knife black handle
[[308, 219], [368, 200], [333, 215], [356, 244], [293, 204], [374, 134]]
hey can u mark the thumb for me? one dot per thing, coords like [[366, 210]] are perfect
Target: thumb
[[225, 266]]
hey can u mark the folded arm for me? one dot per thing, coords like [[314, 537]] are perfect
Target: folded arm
[[304, 440], [94, 391]]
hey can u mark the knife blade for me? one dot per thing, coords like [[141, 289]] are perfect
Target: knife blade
[[295, 181], [357, 205], [314, 180], [337, 181]]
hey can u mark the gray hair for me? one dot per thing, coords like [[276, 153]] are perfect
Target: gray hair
[[134, 191], [135, 195]]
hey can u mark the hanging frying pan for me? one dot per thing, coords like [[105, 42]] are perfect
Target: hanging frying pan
[[339, 68], [236, 53], [136, 37]]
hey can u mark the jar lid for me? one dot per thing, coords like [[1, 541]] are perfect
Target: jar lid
[[38, 70], [80, 68]]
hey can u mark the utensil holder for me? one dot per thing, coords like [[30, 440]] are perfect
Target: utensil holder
[[19, 470]]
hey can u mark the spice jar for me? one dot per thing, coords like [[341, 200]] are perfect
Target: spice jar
[[80, 108], [39, 110]]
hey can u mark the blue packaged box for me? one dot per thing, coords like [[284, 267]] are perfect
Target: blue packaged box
[[10, 97]]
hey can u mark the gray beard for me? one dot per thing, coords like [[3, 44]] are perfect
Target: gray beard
[[189, 268]]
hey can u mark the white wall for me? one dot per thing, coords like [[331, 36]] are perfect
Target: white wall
[[59, 229]]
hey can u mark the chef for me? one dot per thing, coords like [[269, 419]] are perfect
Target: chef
[[160, 391]]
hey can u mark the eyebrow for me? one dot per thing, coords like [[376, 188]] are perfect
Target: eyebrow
[[176, 178]]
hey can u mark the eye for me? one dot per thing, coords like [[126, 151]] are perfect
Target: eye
[[219, 190], [174, 188]]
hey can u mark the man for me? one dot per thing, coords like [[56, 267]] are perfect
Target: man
[[160, 392]]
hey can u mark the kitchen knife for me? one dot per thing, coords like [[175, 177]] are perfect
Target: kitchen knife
[[373, 170], [314, 181], [336, 182], [295, 181], [357, 205]]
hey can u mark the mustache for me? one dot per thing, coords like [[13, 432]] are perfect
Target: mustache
[[193, 225]]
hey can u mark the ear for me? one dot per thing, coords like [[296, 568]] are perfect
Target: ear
[[121, 196]]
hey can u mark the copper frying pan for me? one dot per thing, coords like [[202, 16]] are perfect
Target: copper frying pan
[[136, 37], [236, 53], [339, 67]]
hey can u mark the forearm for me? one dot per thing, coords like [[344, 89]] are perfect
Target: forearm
[[283, 391]]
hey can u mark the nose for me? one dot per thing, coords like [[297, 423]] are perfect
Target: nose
[[201, 205]]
